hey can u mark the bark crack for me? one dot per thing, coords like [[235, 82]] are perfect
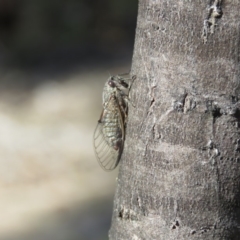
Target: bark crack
[[214, 12], [175, 225], [152, 102], [127, 214], [179, 102], [203, 230]]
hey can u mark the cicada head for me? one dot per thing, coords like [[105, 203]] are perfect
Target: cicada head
[[118, 82]]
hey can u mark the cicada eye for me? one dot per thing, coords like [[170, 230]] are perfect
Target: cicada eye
[[111, 83]]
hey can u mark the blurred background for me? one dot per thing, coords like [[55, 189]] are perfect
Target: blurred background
[[55, 57]]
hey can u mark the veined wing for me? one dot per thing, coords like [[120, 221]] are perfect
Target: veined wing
[[108, 140]]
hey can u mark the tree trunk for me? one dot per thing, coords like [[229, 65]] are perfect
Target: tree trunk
[[180, 170]]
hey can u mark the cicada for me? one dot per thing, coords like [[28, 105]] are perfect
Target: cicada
[[109, 135]]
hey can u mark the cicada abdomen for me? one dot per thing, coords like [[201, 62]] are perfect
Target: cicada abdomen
[[109, 134]]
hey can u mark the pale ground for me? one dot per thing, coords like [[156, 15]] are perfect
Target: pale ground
[[51, 187]]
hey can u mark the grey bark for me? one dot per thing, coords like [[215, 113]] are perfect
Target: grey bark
[[180, 170]]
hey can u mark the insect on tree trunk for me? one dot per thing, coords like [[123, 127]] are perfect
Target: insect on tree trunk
[[180, 169]]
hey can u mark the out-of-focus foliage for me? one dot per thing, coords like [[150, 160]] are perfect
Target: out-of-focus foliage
[[36, 30]]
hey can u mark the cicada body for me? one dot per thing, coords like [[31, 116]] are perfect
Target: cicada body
[[109, 135]]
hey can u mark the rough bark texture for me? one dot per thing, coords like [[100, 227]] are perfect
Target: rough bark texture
[[179, 176]]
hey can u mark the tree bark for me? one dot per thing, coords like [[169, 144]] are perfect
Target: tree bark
[[179, 176]]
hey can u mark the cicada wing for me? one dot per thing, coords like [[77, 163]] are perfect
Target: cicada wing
[[107, 156]]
